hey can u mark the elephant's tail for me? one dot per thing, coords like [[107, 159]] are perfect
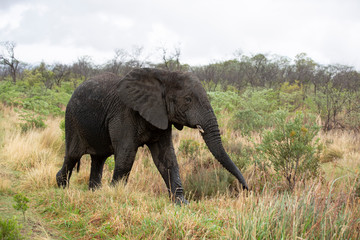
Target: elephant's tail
[[78, 166]]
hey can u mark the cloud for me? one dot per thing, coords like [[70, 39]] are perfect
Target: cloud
[[10, 20], [6, 4], [205, 30]]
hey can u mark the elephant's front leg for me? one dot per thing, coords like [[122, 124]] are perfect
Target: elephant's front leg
[[165, 160]]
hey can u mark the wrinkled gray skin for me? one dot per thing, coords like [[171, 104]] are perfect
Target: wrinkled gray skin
[[107, 115]]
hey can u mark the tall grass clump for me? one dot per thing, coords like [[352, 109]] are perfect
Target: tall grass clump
[[34, 153], [311, 213]]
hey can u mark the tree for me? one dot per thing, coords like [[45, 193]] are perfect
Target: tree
[[171, 61], [211, 75], [47, 76], [82, 69], [61, 73], [8, 59], [337, 95], [117, 63], [305, 70], [123, 61]]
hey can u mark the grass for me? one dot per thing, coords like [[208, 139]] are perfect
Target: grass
[[322, 208]]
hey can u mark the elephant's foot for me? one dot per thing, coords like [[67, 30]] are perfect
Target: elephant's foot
[[61, 179], [93, 185], [178, 197], [180, 200]]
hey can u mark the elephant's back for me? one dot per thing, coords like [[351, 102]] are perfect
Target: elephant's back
[[86, 112], [95, 89]]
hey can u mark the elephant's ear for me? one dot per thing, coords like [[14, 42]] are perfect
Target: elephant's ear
[[144, 93]]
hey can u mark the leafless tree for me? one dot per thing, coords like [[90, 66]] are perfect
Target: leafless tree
[[8, 59], [171, 61], [61, 73], [211, 75], [136, 57], [83, 68], [117, 63]]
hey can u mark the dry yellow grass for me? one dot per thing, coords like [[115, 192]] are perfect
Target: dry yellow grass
[[344, 150], [34, 153], [5, 184]]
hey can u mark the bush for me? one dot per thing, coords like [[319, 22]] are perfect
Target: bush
[[21, 203], [220, 101], [35, 97], [255, 109], [189, 147], [290, 147], [249, 121], [262, 100], [31, 122], [291, 95], [10, 229]]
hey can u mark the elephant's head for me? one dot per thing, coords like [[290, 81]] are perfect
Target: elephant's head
[[164, 98]]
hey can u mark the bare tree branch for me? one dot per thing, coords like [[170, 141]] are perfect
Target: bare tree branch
[[8, 59]]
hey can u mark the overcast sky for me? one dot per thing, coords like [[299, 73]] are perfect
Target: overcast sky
[[205, 30]]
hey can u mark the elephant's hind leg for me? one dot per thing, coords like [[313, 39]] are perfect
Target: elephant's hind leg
[[97, 166], [63, 176]]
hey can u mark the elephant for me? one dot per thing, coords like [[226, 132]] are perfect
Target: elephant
[[108, 115]]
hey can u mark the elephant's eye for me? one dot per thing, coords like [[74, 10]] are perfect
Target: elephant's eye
[[188, 100]]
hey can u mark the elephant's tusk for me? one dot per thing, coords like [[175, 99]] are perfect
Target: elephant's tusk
[[200, 128]]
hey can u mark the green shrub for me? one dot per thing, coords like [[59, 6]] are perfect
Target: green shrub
[[21, 203], [255, 109], [291, 96], [189, 147], [262, 100], [290, 147], [224, 101], [10, 229], [249, 121], [31, 94], [31, 122]]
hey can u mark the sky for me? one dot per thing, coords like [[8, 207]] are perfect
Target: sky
[[206, 31]]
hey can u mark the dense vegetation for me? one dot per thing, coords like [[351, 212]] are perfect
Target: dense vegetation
[[290, 125], [331, 92]]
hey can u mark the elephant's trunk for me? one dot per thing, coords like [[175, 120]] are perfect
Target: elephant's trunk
[[210, 131]]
